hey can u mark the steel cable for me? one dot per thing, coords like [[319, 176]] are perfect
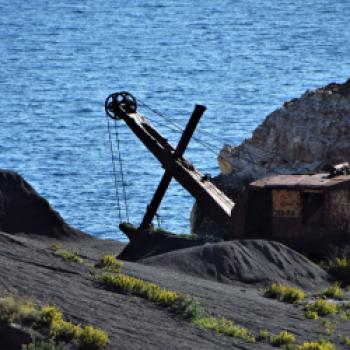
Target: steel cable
[[114, 171], [121, 170]]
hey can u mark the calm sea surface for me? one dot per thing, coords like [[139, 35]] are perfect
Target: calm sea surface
[[60, 59]]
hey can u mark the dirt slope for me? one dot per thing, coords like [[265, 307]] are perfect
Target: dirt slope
[[255, 262]]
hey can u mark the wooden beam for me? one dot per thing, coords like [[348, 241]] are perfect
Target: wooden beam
[[214, 202], [166, 179]]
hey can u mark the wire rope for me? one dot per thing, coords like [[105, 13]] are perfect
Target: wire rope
[[114, 171], [120, 160]]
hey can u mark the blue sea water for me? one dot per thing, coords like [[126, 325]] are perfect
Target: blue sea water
[[60, 59]]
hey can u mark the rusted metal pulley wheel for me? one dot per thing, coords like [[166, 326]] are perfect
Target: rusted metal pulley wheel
[[118, 103]]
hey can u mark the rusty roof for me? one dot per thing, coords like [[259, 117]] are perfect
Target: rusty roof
[[315, 181]]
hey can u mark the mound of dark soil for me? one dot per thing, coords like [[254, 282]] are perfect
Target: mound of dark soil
[[22, 209], [255, 262], [144, 244]]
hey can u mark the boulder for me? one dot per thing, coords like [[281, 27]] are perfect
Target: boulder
[[22, 209]]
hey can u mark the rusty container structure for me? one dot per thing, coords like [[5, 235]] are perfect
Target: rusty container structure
[[297, 209]]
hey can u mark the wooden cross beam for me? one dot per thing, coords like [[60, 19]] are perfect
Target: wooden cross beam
[[166, 179], [211, 200]]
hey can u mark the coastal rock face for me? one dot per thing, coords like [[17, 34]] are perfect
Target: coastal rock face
[[302, 136], [22, 209]]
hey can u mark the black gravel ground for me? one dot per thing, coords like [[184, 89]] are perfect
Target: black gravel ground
[[30, 268], [225, 277]]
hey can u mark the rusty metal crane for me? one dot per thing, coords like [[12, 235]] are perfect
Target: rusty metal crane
[[123, 106]]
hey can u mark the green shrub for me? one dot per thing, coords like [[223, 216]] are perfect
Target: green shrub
[[69, 255], [312, 315], [344, 316], [334, 291], [328, 326], [186, 305], [224, 326], [282, 339], [320, 345], [346, 341], [339, 268], [50, 318], [285, 293], [42, 345], [148, 290], [15, 309], [56, 246], [50, 314], [110, 263], [92, 338], [322, 307], [65, 330], [264, 335]]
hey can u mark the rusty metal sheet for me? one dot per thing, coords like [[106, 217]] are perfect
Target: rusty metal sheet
[[286, 203], [302, 181]]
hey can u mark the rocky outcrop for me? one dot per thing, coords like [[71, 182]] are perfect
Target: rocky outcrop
[[22, 209], [302, 136]]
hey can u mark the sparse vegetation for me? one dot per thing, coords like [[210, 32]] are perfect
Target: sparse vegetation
[[264, 335], [50, 320], [312, 315], [69, 255], [285, 293], [224, 326], [65, 330], [151, 291], [321, 307], [283, 338], [329, 327], [14, 309], [334, 291], [346, 341], [344, 316], [56, 246], [86, 338], [319, 345], [110, 263], [43, 345], [187, 306], [339, 268], [92, 338]]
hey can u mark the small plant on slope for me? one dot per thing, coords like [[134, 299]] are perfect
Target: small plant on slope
[[282, 339], [321, 307], [92, 338], [224, 326], [69, 255], [319, 345], [285, 293], [334, 291], [43, 345], [110, 263], [346, 341], [339, 268]]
